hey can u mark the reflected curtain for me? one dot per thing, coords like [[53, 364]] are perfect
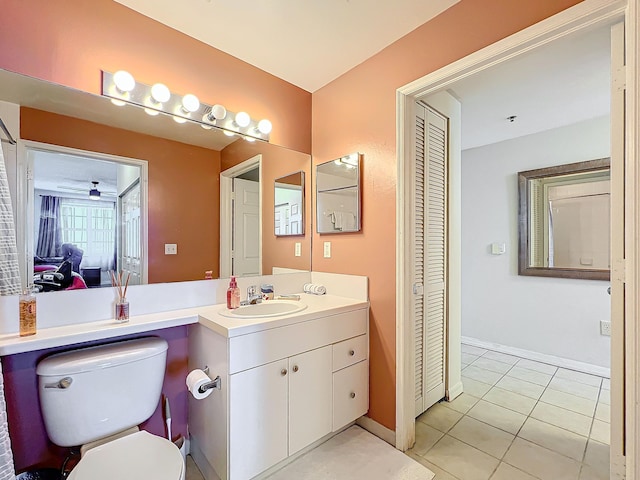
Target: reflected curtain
[[50, 233], [9, 285]]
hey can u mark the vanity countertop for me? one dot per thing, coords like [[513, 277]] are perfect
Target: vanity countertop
[[208, 316]]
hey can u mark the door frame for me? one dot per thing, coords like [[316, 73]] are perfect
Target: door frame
[[226, 211], [25, 230], [586, 14]]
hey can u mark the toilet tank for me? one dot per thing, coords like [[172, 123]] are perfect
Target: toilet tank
[[94, 392]]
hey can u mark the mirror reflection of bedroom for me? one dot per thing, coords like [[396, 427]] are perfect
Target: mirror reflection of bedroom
[[87, 216]]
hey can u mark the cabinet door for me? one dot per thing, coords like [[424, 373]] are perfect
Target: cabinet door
[[258, 419], [309, 398], [350, 394]]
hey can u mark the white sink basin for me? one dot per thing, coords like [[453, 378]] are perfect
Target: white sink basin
[[268, 308]]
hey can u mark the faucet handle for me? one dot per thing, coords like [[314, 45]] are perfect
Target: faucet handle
[[252, 290]]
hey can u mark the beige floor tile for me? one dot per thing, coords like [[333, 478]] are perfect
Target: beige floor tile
[[605, 396], [580, 377], [574, 388], [462, 403], [597, 457], [426, 437], [521, 387], [440, 417], [537, 366], [560, 417], [469, 358], [568, 401], [461, 460], [606, 384], [590, 473], [472, 350], [601, 431], [484, 437], [193, 473], [603, 412], [475, 388], [507, 472], [502, 357], [554, 438], [440, 473], [497, 416], [541, 462], [493, 365], [532, 376], [481, 375], [511, 400]]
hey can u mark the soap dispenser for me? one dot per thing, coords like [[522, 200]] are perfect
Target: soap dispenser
[[233, 294]]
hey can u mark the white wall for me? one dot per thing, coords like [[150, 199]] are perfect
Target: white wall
[[553, 316]]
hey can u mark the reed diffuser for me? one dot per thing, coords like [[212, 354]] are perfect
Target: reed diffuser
[[122, 306]]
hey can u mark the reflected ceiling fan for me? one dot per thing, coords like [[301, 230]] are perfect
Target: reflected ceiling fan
[[94, 192]]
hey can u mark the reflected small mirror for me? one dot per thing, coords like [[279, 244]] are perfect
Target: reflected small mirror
[[564, 221], [338, 195], [289, 204]]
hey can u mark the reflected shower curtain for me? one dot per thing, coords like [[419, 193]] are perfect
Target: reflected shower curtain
[[50, 233], [9, 285]]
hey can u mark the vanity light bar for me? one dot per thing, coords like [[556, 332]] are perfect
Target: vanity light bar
[[122, 89]]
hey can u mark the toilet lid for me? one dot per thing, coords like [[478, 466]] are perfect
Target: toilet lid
[[133, 457]]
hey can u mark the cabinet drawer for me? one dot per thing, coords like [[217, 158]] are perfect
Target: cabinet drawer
[[350, 351], [350, 394]]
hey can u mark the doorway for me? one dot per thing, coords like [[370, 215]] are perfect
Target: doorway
[[561, 25]]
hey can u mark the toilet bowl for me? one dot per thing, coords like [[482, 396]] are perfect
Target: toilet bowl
[[96, 396]]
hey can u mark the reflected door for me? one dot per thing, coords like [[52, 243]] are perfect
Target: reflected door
[[130, 255], [246, 228]]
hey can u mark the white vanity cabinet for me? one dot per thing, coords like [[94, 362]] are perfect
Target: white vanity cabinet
[[283, 389]]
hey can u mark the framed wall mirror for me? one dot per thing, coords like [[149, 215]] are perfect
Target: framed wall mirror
[[564, 221], [289, 204], [338, 195]]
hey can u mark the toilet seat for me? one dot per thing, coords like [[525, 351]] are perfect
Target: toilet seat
[[135, 456]]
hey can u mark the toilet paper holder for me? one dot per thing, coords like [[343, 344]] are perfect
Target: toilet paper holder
[[215, 383]]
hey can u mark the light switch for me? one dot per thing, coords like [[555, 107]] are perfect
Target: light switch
[[327, 249], [498, 248], [298, 250], [170, 248]]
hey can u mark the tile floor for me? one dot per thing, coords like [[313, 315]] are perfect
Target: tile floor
[[517, 420]]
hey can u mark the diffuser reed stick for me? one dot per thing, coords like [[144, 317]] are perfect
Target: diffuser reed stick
[[122, 306]]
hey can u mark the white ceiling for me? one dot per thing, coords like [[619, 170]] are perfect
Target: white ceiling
[[307, 43], [565, 82]]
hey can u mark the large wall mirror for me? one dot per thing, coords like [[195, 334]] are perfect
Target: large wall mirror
[[338, 195], [564, 221], [169, 174]]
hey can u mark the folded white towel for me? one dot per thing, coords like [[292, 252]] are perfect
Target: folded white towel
[[314, 288]]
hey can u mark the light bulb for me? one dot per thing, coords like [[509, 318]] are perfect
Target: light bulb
[[124, 81], [243, 119], [206, 127], [151, 111], [229, 134], [249, 139], [190, 103], [218, 112], [119, 103], [264, 126], [160, 93], [179, 119]]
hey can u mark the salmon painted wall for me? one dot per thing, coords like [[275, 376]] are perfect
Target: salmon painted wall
[[276, 162], [184, 189], [357, 112], [70, 41]]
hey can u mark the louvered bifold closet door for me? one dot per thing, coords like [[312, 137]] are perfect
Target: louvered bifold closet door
[[430, 256]]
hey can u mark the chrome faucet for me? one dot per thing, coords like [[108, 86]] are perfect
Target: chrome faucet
[[253, 295]]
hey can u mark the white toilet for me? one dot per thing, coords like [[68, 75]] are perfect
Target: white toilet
[[96, 397]]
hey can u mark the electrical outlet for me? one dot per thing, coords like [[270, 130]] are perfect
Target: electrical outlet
[[605, 327], [298, 249], [327, 249], [170, 248]]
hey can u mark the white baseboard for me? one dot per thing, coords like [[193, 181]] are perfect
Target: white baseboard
[[540, 357], [378, 430], [454, 391]]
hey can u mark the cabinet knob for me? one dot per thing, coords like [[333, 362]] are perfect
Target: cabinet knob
[[283, 372], [353, 395], [352, 353], [295, 368]]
